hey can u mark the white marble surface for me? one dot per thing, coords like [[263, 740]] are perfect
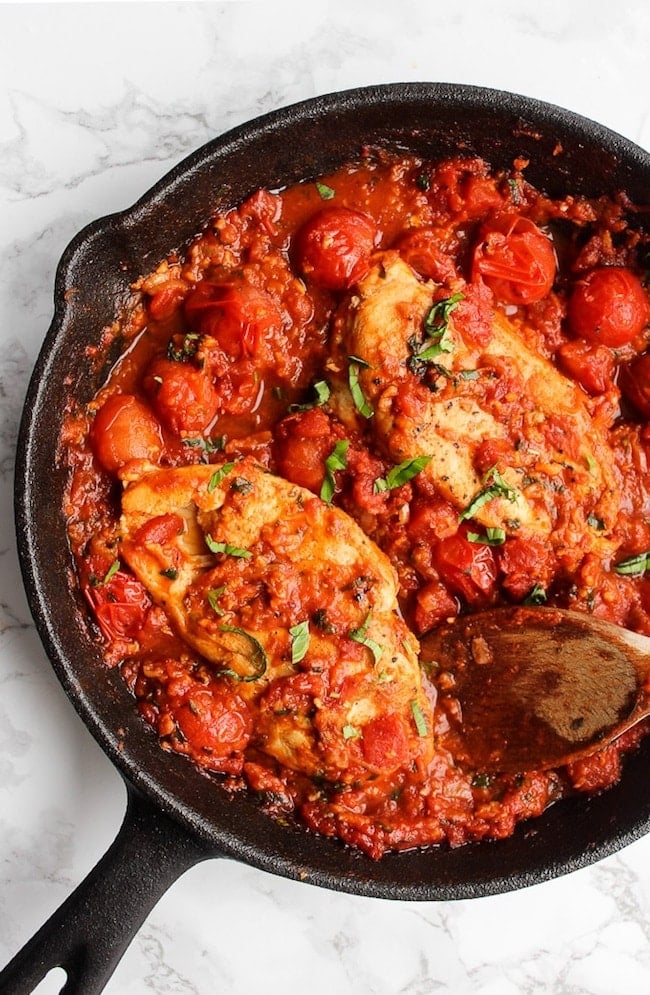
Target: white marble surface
[[97, 101]]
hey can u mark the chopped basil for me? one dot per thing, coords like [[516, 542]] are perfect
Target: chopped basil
[[359, 636], [419, 719], [255, 655], [335, 461], [491, 537], [401, 474], [187, 349], [423, 181], [224, 547], [359, 398], [496, 487], [321, 391], [537, 596], [633, 566], [213, 599], [481, 781], [171, 573], [110, 573], [324, 191], [351, 732], [219, 475], [436, 329], [299, 640]]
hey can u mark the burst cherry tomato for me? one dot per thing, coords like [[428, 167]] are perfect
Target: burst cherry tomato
[[590, 364], [515, 259], [609, 306], [125, 429], [183, 396], [467, 568], [215, 720], [634, 381], [333, 248], [120, 604], [243, 319]]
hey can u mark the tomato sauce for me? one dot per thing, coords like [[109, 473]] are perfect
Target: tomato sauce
[[231, 353]]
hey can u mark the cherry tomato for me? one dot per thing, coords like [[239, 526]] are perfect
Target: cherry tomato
[[183, 396], [333, 247], [609, 306], [125, 429], [242, 318], [468, 569], [634, 381], [120, 605], [590, 364], [515, 259], [214, 720]]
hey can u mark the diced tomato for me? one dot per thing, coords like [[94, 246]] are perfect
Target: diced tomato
[[385, 742], [525, 563], [125, 429], [609, 306], [182, 395], [166, 300], [333, 248], [424, 250], [592, 365], [160, 529], [302, 444], [433, 604], [515, 258], [467, 568]]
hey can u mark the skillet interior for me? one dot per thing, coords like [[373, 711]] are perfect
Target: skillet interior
[[567, 153]]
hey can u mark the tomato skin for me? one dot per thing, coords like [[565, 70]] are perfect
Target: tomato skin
[[183, 397], [609, 306], [634, 381], [333, 247], [125, 429], [303, 443], [467, 568], [119, 604], [242, 318], [515, 259], [592, 365], [423, 250]]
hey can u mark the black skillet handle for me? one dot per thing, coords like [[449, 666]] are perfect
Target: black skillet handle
[[90, 932]]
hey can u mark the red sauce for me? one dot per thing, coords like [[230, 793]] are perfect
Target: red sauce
[[228, 356]]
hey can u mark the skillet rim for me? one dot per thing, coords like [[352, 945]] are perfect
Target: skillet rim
[[488, 867]]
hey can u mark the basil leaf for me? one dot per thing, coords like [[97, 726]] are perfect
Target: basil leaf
[[324, 191], [213, 599], [401, 474], [537, 596], [321, 391], [359, 636], [224, 547], [359, 398], [219, 475], [419, 719], [254, 654], [633, 566], [497, 487], [335, 461], [299, 641], [491, 537]]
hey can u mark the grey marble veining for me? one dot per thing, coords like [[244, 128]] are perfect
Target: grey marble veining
[[97, 102]]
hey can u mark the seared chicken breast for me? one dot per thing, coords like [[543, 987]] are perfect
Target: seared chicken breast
[[288, 598], [554, 475]]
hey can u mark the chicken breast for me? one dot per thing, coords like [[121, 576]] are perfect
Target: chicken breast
[[287, 597], [556, 473]]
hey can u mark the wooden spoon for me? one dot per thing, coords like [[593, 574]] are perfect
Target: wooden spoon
[[533, 688]]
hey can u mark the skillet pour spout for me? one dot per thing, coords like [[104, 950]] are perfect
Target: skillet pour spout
[[175, 815]]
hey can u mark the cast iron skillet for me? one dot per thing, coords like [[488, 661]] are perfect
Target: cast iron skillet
[[175, 815]]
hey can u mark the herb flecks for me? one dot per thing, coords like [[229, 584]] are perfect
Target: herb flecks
[[252, 651], [633, 566], [401, 474], [226, 548], [299, 634], [437, 340], [360, 636]]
